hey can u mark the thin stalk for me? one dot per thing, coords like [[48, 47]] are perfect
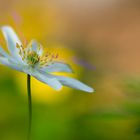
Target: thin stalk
[[29, 106]]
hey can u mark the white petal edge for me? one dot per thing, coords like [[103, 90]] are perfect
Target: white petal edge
[[71, 82], [6, 62], [3, 53], [11, 39], [57, 67], [52, 82]]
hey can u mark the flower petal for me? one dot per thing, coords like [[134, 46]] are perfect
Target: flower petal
[[7, 62], [70, 82], [3, 53], [57, 67], [11, 39], [52, 82], [73, 83]]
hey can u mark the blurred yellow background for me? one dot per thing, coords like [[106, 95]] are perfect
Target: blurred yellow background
[[100, 39]]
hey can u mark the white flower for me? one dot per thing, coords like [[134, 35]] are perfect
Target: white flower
[[31, 60]]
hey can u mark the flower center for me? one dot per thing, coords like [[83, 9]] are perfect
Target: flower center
[[32, 58]]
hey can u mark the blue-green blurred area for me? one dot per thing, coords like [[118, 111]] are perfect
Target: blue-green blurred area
[[100, 39]]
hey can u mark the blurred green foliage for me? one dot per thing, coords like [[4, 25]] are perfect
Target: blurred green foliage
[[71, 119]]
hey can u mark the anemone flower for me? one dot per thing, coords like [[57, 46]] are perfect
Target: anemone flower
[[31, 60]]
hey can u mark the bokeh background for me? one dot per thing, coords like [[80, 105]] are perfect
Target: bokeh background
[[100, 39]]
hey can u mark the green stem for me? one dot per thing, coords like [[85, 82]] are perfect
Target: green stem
[[29, 105]]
